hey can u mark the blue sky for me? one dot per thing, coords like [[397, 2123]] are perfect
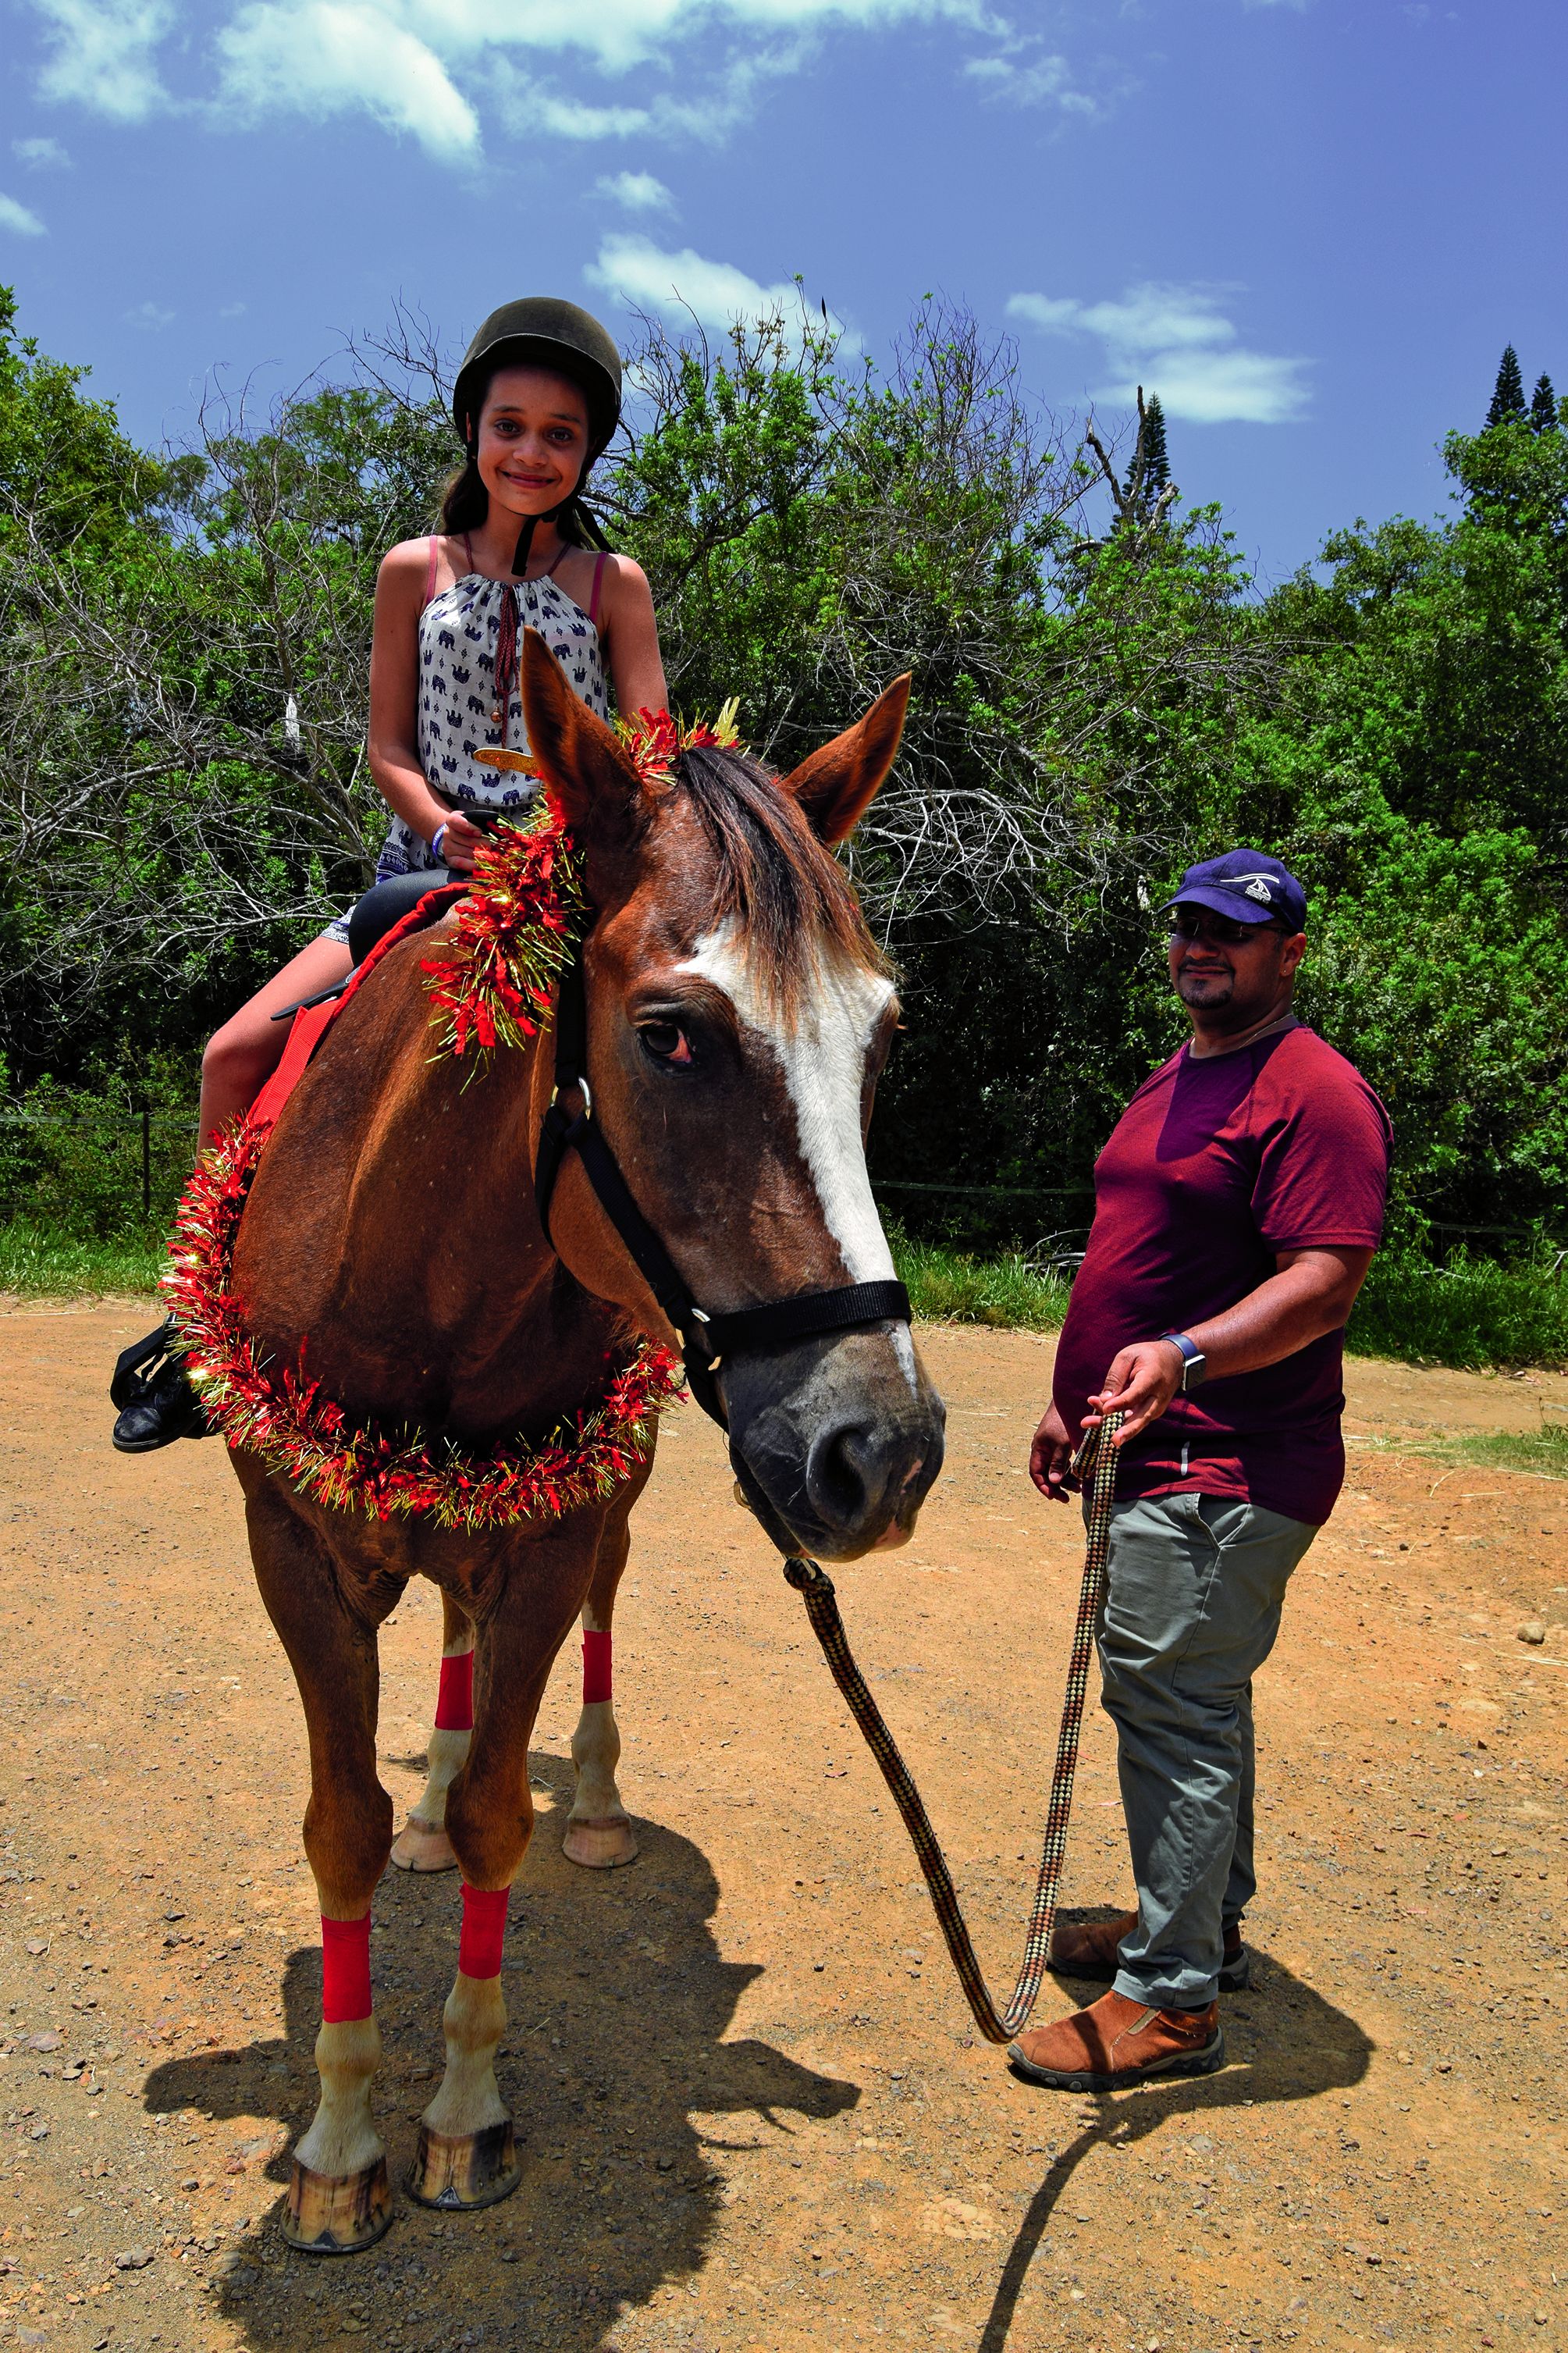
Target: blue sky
[[1310, 227]]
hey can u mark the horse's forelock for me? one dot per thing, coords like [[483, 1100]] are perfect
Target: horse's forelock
[[787, 897]]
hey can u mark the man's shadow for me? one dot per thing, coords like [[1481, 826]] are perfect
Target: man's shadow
[[618, 2003], [1283, 2042]]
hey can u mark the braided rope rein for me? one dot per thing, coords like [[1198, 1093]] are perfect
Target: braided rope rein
[[1094, 1463]]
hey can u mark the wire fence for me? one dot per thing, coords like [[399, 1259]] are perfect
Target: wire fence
[[98, 1165]]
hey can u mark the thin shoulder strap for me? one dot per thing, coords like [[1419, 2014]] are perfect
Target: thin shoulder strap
[[599, 561], [430, 572]]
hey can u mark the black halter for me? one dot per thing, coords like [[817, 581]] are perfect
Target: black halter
[[705, 1339]]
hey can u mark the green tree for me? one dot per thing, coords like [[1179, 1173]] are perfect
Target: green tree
[[1423, 737], [1543, 405], [1508, 393], [1154, 451], [182, 743], [68, 477]]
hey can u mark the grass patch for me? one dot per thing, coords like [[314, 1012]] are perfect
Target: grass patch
[[1472, 1312], [42, 1261], [947, 1286], [1542, 1454], [1543, 1450]]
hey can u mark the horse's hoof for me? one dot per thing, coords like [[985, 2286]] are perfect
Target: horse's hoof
[[337, 2214], [600, 1845], [474, 2169], [423, 1846]]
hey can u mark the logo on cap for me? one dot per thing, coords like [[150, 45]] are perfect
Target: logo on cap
[[1259, 889]]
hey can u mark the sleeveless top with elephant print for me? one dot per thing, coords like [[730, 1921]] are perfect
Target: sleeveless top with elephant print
[[458, 713]]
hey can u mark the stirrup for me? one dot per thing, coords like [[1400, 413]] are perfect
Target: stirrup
[[130, 1381]]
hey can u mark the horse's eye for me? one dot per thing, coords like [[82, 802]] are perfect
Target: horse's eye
[[666, 1041]]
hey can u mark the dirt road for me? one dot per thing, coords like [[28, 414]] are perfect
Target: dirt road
[[756, 2114]]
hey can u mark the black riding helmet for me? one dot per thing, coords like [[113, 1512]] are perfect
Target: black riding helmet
[[545, 332]]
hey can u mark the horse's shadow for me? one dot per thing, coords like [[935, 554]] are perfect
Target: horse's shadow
[[1283, 2041], [618, 2003]]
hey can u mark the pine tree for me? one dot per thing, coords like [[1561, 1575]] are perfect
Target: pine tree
[[1156, 456], [1543, 405], [1508, 395]]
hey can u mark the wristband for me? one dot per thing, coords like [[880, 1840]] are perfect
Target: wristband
[[1194, 1364], [435, 840]]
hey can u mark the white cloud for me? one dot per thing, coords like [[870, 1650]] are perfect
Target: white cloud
[[684, 286], [1173, 340], [18, 220], [233, 310], [102, 55], [638, 192], [1026, 74], [708, 113], [573, 118], [148, 314], [41, 154], [623, 33], [424, 68], [319, 58]]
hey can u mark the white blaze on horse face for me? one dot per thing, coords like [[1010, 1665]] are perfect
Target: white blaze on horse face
[[822, 1053]]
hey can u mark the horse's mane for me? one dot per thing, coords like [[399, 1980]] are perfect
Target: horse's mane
[[785, 894]]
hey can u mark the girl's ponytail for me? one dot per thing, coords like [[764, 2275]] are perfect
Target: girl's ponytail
[[465, 501]]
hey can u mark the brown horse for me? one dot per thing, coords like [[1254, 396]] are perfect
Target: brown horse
[[737, 1018]]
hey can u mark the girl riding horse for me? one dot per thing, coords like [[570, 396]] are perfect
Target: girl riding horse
[[537, 400]]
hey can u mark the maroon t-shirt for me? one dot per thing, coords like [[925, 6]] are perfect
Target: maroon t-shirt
[[1214, 1167]]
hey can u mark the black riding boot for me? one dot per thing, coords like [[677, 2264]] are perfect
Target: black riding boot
[[158, 1406]]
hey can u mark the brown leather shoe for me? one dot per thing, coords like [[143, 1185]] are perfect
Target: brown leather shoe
[[1089, 1948], [1116, 2043]]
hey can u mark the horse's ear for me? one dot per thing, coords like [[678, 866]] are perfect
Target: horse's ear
[[836, 785], [579, 757]]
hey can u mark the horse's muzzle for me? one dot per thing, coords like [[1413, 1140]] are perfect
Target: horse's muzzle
[[836, 1441]]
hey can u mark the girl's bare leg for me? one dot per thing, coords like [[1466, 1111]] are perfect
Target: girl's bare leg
[[242, 1056]]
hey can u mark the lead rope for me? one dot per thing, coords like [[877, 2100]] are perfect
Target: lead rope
[[1094, 1462]]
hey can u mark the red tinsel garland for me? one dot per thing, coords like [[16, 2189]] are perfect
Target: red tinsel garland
[[655, 741], [362, 1467], [511, 935]]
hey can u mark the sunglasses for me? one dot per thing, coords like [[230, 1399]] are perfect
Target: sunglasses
[[1220, 929]]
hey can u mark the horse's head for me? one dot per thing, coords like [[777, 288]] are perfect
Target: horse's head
[[738, 1017]]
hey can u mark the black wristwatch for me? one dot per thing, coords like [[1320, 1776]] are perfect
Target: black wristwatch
[[1194, 1364]]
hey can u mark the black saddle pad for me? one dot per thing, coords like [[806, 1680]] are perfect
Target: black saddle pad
[[388, 903]]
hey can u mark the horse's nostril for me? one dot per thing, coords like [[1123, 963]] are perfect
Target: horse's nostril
[[840, 1476]]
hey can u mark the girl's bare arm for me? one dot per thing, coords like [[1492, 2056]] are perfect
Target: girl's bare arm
[[630, 635]]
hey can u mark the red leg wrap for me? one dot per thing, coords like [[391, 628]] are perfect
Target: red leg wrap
[[595, 1666], [454, 1698], [484, 1930], [345, 1970]]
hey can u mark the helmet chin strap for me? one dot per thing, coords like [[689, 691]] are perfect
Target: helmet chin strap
[[525, 536]]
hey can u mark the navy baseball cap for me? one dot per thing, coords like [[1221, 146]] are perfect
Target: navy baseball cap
[[1248, 885]]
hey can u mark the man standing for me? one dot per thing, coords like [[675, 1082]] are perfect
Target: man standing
[[1237, 1206]]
